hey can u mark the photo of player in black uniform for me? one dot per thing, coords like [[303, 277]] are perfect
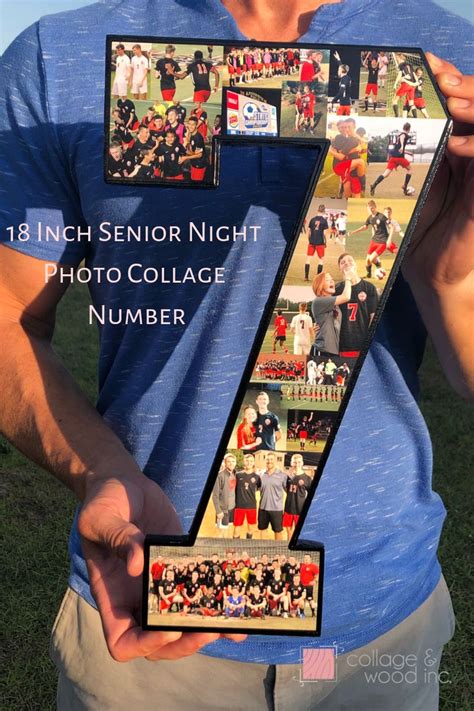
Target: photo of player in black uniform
[[297, 487], [169, 154], [201, 70], [166, 70], [317, 232], [382, 239], [343, 86], [116, 166], [399, 141], [357, 314], [247, 484], [374, 66], [195, 150]]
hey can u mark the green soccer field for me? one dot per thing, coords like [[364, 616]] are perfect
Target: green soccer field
[[267, 346], [293, 445], [184, 87], [274, 82], [310, 403], [381, 98], [287, 121], [391, 187], [356, 245]]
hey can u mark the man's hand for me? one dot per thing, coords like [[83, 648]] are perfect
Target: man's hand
[[442, 249], [440, 259], [115, 516]]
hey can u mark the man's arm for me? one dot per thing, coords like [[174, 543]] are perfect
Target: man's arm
[[216, 78], [46, 415]]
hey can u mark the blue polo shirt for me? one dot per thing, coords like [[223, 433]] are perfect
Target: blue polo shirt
[[166, 390]]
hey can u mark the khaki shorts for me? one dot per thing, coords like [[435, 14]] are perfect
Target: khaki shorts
[[396, 672]]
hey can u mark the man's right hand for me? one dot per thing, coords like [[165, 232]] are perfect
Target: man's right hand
[[115, 516]]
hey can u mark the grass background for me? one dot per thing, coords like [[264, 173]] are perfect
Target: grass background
[[36, 511]]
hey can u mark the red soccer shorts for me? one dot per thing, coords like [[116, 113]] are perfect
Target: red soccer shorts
[[420, 103], [343, 169], [344, 111], [168, 94], [230, 69], [371, 89], [393, 248], [165, 605], [406, 90], [394, 163], [318, 248], [376, 247], [289, 520], [303, 434], [201, 96], [198, 173], [240, 515]]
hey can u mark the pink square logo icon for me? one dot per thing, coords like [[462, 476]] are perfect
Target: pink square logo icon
[[319, 664]]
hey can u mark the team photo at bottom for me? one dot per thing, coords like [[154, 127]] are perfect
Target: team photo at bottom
[[248, 581]]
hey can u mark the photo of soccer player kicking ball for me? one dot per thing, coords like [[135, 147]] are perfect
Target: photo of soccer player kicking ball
[[382, 239], [256, 585], [398, 146]]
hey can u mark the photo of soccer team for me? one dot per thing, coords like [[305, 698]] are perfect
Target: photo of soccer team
[[258, 585]]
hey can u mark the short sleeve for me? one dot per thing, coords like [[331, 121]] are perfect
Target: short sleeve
[[35, 184]]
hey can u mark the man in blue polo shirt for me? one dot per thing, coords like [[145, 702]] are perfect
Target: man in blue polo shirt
[[377, 515]]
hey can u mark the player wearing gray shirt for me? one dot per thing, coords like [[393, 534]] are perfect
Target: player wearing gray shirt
[[326, 311], [273, 486]]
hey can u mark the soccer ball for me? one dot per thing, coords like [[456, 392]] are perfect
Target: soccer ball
[[410, 190], [380, 273]]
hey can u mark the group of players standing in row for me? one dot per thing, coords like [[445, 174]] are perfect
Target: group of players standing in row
[[281, 496], [240, 586], [248, 64]]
